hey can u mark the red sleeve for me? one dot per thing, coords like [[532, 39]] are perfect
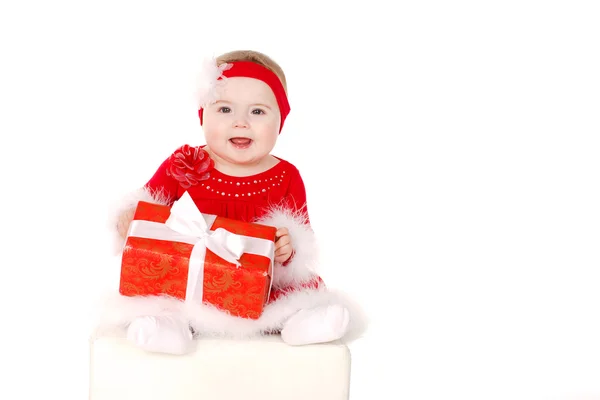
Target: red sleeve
[[296, 200], [162, 183], [296, 196]]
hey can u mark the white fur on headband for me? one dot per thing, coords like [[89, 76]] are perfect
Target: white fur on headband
[[208, 82]]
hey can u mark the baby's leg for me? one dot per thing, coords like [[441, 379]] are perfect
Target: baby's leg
[[164, 334], [316, 325]]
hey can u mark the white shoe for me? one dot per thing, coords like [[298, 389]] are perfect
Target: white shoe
[[316, 325], [169, 335]]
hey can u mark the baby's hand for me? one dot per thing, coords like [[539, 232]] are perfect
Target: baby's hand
[[124, 221], [283, 245]]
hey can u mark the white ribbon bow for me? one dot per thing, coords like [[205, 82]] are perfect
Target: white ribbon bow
[[186, 219]]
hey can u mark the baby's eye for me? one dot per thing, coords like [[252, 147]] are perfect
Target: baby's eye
[[225, 109], [257, 111]]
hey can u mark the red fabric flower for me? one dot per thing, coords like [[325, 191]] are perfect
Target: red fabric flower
[[190, 165]]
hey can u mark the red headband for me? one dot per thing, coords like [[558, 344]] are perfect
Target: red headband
[[252, 70]]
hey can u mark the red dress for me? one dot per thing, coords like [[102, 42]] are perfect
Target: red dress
[[243, 198]]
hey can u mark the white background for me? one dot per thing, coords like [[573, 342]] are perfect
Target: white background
[[449, 150]]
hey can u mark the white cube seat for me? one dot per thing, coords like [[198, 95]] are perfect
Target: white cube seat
[[263, 368]]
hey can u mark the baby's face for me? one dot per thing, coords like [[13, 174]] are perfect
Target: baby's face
[[243, 126]]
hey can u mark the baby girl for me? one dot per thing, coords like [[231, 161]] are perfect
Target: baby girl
[[242, 109]]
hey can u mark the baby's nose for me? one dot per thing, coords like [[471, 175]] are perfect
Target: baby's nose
[[240, 123]]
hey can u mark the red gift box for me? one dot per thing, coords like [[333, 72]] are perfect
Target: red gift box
[[198, 257]]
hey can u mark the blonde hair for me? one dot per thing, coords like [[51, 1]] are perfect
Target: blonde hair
[[256, 57]]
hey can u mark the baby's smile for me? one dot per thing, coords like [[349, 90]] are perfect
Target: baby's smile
[[240, 142]]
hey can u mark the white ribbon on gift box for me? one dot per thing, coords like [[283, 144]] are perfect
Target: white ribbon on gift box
[[186, 224]]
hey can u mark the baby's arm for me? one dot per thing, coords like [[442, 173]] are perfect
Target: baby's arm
[[295, 198], [292, 217], [296, 202]]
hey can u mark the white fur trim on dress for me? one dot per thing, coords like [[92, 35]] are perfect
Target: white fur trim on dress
[[208, 321], [302, 267]]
